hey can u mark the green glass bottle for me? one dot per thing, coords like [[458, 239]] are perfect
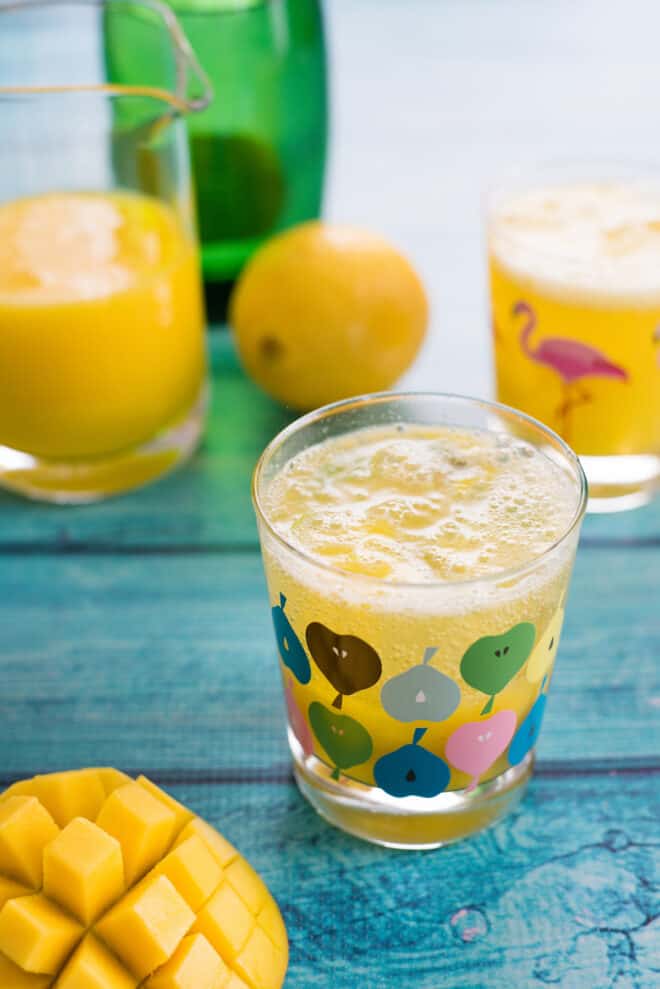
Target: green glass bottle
[[259, 149]]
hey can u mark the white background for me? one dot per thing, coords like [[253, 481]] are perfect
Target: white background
[[432, 99]]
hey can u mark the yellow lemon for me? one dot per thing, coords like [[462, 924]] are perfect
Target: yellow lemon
[[323, 312]]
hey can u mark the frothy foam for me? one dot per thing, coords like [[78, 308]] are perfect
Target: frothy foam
[[595, 241], [420, 505], [71, 247]]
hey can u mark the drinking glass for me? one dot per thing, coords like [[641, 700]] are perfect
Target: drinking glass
[[259, 148], [361, 754], [102, 357], [574, 257]]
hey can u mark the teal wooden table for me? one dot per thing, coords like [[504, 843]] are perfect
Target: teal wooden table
[[137, 633]]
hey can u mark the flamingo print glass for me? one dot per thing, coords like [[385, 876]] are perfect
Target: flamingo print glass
[[417, 550], [574, 258]]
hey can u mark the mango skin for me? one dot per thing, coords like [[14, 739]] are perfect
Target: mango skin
[[158, 884]]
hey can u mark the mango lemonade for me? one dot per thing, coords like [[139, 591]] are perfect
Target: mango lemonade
[[417, 610], [575, 282], [101, 323]]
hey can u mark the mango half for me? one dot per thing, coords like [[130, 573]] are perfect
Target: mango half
[[109, 883]]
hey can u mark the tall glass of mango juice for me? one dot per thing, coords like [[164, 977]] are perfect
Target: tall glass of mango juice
[[102, 357], [417, 550], [574, 257]]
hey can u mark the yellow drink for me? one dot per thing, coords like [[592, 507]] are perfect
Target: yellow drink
[[101, 324], [414, 647], [575, 283]]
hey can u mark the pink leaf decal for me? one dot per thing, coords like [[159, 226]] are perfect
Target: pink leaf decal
[[476, 745]]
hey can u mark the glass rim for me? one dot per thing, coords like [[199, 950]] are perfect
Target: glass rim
[[330, 410], [556, 172], [187, 64], [551, 175], [641, 168]]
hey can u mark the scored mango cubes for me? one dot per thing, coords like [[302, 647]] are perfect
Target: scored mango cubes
[[193, 870], [36, 935], [143, 826], [84, 870], [145, 927], [194, 965], [93, 966], [109, 883], [25, 829]]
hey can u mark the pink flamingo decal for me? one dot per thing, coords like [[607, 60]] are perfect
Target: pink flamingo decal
[[571, 359]]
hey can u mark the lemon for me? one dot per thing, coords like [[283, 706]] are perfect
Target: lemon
[[324, 312]]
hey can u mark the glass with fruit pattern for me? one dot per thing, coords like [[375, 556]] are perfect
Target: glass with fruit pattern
[[418, 550]]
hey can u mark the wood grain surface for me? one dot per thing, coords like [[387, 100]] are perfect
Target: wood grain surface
[[137, 632]]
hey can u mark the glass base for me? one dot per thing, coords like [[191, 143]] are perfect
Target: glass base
[[87, 481], [617, 484], [409, 822]]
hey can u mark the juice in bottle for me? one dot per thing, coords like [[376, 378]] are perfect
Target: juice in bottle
[[101, 338], [575, 285], [418, 603]]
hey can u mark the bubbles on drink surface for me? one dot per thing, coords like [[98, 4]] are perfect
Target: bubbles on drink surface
[[421, 504], [589, 238]]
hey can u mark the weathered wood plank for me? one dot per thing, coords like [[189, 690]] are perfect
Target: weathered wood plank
[[564, 892], [624, 529], [167, 662]]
